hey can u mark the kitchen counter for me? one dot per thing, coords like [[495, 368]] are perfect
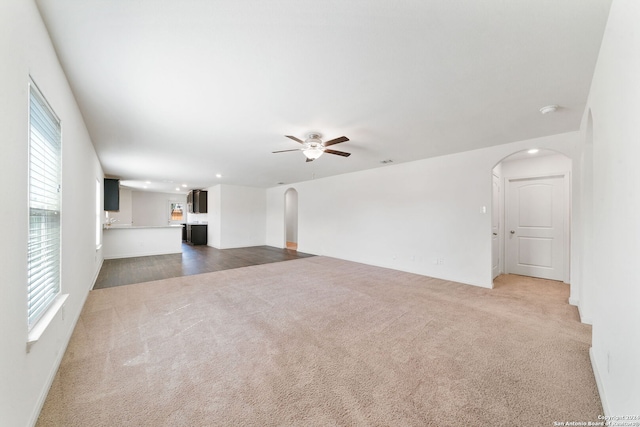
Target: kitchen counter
[[126, 241]]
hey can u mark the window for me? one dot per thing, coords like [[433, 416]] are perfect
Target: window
[[45, 147], [176, 210]]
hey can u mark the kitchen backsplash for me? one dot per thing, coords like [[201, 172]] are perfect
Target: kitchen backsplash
[[197, 218]]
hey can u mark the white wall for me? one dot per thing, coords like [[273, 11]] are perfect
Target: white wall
[[614, 102], [152, 208], [25, 49], [406, 216], [237, 216], [582, 268], [536, 166], [124, 216], [214, 212], [242, 216]]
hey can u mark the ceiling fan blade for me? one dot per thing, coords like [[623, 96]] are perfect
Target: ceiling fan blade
[[284, 151], [336, 141], [295, 139], [339, 153]]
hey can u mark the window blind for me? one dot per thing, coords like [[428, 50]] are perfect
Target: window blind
[[43, 268]]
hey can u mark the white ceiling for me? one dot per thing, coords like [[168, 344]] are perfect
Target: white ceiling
[[176, 91]]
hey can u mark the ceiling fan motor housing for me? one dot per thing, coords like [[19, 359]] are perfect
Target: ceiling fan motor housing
[[313, 139]]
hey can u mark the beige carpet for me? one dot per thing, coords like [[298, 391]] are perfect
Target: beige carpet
[[325, 342]]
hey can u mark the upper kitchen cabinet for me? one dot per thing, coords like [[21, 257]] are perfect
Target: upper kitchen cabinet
[[197, 201], [111, 194]]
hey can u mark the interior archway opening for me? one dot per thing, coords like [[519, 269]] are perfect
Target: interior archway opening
[[531, 220], [291, 219]]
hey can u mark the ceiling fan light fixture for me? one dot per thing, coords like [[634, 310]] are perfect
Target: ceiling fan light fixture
[[313, 153]]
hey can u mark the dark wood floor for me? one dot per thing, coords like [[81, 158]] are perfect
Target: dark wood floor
[[193, 260]]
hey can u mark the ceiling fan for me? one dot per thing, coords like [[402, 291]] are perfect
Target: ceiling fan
[[313, 147]]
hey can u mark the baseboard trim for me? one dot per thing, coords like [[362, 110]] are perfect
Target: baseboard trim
[[599, 384], [583, 318]]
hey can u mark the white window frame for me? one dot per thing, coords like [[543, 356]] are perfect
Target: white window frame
[[183, 205], [44, 242]]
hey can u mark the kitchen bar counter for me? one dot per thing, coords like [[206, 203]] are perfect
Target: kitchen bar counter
[[126, 241]]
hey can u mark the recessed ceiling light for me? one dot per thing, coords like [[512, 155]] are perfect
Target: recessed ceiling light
[[144, 186], [549, 109], [178, 189], [147, 182], [184, 185], [533, 151], [218, 175]]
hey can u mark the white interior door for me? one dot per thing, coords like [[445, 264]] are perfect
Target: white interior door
[[535, 227], [495, 228]]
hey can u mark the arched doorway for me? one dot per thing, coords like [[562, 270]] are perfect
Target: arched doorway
[[291, 219], [531, 215]]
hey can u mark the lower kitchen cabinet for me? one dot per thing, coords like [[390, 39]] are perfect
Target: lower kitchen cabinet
[[197, 234]]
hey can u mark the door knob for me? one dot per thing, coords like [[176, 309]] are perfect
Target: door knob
[[512, 232]]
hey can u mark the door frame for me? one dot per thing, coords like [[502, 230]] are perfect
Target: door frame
[[566, 220], [500, 230]]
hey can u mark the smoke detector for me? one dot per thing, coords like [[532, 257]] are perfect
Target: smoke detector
[[549, 109]]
